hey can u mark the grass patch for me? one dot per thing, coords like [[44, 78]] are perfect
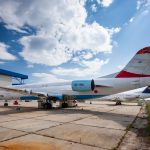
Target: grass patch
[[148, 112]]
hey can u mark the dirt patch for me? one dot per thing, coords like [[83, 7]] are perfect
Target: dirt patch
[[28, 146]]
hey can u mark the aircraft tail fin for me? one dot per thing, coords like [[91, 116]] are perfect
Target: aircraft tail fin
[[139, 65], [147, 90]]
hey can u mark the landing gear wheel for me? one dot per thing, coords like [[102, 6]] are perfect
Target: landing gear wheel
[[64, 105], [47, 106], [118, 103], [5, 104]]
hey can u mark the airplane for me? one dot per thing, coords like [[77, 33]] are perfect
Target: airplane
[[136, 74], [137, 94]]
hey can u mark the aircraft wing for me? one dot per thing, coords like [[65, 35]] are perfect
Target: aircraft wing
[[7, 93], [38, 90]]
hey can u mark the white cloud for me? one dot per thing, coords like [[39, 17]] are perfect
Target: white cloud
[[147, 3], [4, 54], [41, 14], [139, 4], [131, 19], [93, 7], [114, 30], [89, 69], [87, 55], [105, 3], [53, 51], [142, 4], [44, 50], [11, 27], [30, 66], [145, 12], [61, 29], [46, 77]]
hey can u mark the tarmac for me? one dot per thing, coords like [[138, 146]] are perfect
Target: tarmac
[[96, 126]]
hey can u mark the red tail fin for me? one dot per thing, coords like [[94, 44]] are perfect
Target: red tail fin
[[139, 66]]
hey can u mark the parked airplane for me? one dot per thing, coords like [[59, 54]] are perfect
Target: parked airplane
[[136, 74], [137, 94]]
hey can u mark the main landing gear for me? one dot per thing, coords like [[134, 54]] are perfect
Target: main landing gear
[[64, 105], [5, 103], [47, 105], [118, 102]]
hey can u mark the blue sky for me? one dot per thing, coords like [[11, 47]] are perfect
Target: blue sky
[[61, 40]]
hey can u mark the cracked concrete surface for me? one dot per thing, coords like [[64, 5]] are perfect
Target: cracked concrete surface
[[96, 126]]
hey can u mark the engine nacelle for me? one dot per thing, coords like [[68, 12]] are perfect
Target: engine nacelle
[[83, 85]]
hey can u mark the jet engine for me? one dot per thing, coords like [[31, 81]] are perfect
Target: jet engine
[[83, 85]]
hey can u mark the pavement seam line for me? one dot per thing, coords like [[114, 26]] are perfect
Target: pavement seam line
[[97, 126], [127, 129], [62, 123], [13, 138], [13, 129]]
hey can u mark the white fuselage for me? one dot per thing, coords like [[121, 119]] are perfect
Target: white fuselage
[[129, 95], [105, 87]]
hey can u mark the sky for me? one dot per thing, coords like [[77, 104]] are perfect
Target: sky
[[59, 40]]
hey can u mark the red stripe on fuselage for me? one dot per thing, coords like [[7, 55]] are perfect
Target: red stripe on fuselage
[[125, 74], [145, 50]]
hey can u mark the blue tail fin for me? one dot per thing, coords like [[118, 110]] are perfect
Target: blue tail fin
[[147, 90]]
